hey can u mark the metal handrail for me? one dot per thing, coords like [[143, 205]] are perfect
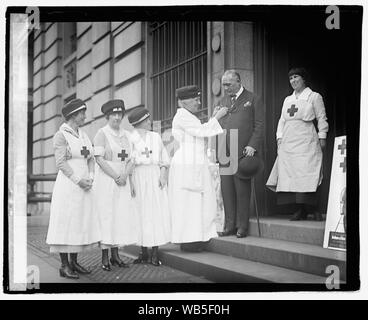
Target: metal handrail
[[32, 194]]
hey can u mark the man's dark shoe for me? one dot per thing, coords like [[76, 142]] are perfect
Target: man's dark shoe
[[241, 233], [226, 233], [317, 216], [299, 215]]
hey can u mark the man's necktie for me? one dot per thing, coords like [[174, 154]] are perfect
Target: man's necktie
[[233, 99]]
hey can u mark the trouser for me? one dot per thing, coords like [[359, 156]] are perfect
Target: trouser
[[236, 197]]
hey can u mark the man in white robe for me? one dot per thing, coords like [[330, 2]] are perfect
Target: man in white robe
[[192, 195]]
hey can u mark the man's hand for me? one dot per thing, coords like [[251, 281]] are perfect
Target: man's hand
[[323, 143], [249, 151]]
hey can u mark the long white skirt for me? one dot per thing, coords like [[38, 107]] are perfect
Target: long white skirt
[[152, 205], [116, 212], [73, 225], [193, 213]]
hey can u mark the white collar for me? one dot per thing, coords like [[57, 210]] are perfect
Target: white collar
[[187, 112], [69, 129], [239, 92], [304, 94], [115, 133]]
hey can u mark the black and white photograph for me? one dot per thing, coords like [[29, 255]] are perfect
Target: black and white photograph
[[182, 148]]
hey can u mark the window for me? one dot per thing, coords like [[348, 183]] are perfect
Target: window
[[69, 38], [179, 58], [70, 62]]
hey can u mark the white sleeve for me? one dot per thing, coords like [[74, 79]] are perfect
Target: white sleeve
[[320, 112], [281, 124], [197, 129], [280, 127]]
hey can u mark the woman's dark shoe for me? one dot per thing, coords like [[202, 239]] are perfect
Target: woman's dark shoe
[[143, 256], [317, 216], [117, 263], [155, 259], [67, 272], [106, 267], [76, 267]]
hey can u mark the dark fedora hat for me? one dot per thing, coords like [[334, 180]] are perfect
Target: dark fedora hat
[[248, 166]]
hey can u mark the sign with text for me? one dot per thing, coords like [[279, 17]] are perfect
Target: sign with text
[[335, 229]]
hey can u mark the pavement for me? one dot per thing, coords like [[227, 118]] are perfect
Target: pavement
[[49, 264]]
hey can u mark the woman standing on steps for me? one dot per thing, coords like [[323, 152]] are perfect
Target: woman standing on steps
[[113, 201], [297, 171], [73, 225], [151, 163]]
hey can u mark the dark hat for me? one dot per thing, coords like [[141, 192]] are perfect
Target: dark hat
[[249, 166], [188, 92], [137, 115], [73, 106], [113, 106]]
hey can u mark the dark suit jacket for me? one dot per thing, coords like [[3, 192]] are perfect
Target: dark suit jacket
[[247, 116]]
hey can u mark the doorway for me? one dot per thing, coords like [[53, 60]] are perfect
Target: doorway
[[333, 60]]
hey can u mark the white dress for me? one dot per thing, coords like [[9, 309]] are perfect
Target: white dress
[[113, 204], [73, 225], [298, 166], [192, 192], [152, 203]]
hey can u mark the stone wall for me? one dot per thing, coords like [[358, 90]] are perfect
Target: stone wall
[[108, 63]]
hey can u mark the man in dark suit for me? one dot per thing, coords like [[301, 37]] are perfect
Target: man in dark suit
[[246, 120]]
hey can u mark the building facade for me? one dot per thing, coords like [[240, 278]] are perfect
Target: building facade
[[144, 62]]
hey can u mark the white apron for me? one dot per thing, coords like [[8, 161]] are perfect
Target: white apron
[[298, 166], [113, 203], [73, 222], [152, 202]]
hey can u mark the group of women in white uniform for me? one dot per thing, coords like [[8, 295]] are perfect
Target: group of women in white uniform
[[132, 198], [109, 194]]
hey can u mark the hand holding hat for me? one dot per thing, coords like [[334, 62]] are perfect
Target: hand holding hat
[[249, 166], [249, 151]]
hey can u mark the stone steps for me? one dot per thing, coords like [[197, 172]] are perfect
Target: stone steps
[[222, 268], [287, 252], [296, 256], [309, 231]]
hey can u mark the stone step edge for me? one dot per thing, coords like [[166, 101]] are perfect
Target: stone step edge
[[284, 245], [228, 267]]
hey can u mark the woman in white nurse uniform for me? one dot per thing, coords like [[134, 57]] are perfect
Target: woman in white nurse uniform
[[151, 163], [73, 225], [297, 171], [113, 200]]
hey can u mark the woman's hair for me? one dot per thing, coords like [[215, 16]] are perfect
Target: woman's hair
[[300, 71], [107, 116]]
